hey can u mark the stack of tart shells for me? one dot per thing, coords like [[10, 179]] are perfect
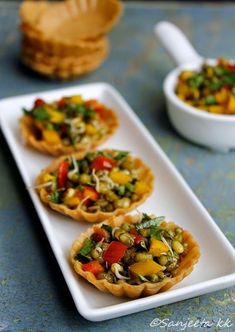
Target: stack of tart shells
[[66, 39]]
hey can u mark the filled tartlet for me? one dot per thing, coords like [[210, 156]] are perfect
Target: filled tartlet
[[67, 125], [134, 256], [95, 185]]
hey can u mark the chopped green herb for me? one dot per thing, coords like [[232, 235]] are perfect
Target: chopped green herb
[[55, 197], [86, 248], [121, 155], [148, 222], [210, 100], [121, 190], [40, 114], [129, 187]]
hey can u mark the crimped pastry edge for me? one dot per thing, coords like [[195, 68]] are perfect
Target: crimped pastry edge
[[145, 289], [59, 149], [98, 216]]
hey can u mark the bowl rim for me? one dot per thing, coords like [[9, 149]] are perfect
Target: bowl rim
[[168, 89]]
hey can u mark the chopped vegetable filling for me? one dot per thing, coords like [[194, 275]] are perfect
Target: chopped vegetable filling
[[102, 181], [70, 121], [148, 251], [211, 89]]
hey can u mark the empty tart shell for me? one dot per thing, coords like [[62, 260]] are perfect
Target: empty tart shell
[[124, 289], [73, 70], [79, 19], [27, 128], [46, 46], [72, 20], [78, 214], [66, 61]]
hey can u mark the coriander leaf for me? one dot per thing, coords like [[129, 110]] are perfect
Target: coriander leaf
[[26, 112], [210, 100], [87, 246], [129, 187], [156, 232], [40, 113], [121, 155], [55, 197], [121, 190], [150, 222], [195, 81]]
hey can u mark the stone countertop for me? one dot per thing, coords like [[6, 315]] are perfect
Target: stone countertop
[[33, 293]]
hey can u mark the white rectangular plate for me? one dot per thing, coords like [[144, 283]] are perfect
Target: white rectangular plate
[[172, 198]]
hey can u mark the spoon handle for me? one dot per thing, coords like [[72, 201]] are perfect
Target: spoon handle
[[176, 43]]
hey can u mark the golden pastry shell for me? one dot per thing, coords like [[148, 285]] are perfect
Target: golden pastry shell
[[27, 131], [124, 289], [78, 214]]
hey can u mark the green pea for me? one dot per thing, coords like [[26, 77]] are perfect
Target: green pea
[[118, 232], [142, 256], [162, 260], [161, 275], [111, 196], [84, 178], [95, 254], [128, 164], [84, 166], [101, 202], [103, 188], [178, 237], [134, 197], [109, 207], [177, 247], [74, 177], [178, 230], [122, 203], [154, 278], [126, 239], [145, 232], [125, 226]]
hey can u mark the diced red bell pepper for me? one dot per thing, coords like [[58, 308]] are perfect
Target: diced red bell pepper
[[114, 252], [62, 173], [226, 87], [231, 67], [103, 163], [93, 267], [97, 107], [99, 234], [91, 193], [137, 237], [39, 102], [61, 103]]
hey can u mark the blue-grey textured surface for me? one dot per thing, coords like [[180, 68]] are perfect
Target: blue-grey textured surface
[[33, 294]]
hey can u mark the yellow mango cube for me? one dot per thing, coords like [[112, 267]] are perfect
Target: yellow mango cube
[[221, 96], [145, 268], [231, 104], [90, 129], [51, 136], [157, 248], [141, 187], [72, 201], [77, 99], [120, 177], [217, 109], [48, 177]]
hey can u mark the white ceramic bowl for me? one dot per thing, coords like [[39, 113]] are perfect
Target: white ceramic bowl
[[210, 130]]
